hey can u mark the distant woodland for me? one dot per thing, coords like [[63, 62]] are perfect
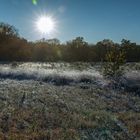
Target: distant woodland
[[15, 48]]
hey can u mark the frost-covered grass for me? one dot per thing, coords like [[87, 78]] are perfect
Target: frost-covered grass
[[60, 73], [82, 107], [65, 73]]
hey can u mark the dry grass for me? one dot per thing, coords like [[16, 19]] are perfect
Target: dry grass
[[35, 110]]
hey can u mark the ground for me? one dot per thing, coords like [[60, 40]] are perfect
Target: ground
[[76, 105]]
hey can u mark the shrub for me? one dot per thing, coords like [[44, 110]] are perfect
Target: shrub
[[112, 68]]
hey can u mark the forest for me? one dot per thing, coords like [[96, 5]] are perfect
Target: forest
[[15, 48]]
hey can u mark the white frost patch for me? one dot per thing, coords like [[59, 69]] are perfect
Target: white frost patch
[[134, 75], [41, 71]]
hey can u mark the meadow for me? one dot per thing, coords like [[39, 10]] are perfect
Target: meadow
[[68, 101]]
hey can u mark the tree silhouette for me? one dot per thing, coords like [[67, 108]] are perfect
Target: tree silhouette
[[15, 48], [8, 30]]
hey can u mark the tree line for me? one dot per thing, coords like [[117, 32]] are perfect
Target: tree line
[[15, 48]]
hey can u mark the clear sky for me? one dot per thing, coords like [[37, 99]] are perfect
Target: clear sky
[[94, 20]]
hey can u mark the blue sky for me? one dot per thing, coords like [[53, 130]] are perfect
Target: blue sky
[[95, 20]]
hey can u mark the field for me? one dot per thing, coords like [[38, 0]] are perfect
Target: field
[[68, 101]]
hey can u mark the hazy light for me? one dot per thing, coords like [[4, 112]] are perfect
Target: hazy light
[[45, 24], [61, 9]]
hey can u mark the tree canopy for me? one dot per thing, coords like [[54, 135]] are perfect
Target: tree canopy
[[15, 48]]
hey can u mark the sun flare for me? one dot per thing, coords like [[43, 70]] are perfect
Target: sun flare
[[45, 24]]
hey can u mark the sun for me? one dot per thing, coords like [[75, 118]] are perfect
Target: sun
[[45, 24]]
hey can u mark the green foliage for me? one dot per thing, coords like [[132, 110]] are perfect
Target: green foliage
[[115, 58]]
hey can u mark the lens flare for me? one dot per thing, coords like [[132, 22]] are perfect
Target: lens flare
[[34, 2]]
